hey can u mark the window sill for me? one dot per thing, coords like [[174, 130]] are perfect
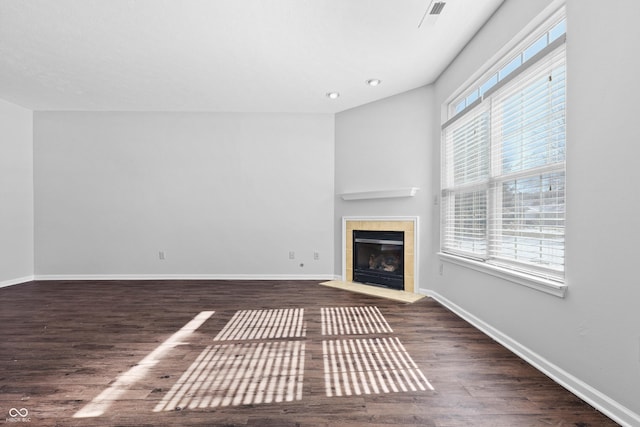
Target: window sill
[[537, 283]]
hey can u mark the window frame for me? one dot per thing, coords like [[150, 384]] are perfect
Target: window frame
[[478, 93]]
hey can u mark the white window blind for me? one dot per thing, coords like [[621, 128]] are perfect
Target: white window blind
[[503, 168], [466, 174]]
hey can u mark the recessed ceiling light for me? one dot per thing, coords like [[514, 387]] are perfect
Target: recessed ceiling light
[[333, 95], [374, 82]]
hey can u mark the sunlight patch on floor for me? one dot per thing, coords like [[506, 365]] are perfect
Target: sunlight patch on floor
[[353, 320], [372, 365], [240, 374], [102, 402], [264, 324], [258, 357]]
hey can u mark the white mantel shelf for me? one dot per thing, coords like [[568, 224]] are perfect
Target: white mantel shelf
[[381, 194]]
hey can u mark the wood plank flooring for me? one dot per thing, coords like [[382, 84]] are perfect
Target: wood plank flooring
[[272, 353]]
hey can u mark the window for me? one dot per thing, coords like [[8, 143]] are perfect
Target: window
[[503, 161]]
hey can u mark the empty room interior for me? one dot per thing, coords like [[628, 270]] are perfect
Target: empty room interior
[[319, 213]]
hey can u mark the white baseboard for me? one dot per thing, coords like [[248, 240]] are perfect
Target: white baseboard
[[182, 277], [603, 403], [16, 281]]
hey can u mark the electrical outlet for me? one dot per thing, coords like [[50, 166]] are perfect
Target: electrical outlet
[[161, 255], [292, 255], [316, 256]]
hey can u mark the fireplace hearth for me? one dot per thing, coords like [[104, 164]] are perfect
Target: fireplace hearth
[[378, 258]]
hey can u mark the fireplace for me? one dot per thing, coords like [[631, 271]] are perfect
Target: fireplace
[[378, 258], [408, 226]]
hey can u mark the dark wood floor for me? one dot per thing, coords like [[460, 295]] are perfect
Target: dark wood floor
[[96, 348]]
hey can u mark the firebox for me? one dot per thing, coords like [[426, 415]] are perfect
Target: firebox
[[378, 258]]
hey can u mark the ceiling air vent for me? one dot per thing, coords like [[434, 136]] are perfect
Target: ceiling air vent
[[437, 8], [432, 12]]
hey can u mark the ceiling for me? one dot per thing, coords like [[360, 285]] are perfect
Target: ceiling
[[225, 55]]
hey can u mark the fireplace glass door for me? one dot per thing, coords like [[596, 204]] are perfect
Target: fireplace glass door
[[378, 258]]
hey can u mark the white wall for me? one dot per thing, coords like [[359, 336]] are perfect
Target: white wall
[[592, 336], [16, 194], [386, 145], [221, 194]]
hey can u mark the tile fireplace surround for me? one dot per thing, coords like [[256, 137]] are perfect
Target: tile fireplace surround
[[407, 224]]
